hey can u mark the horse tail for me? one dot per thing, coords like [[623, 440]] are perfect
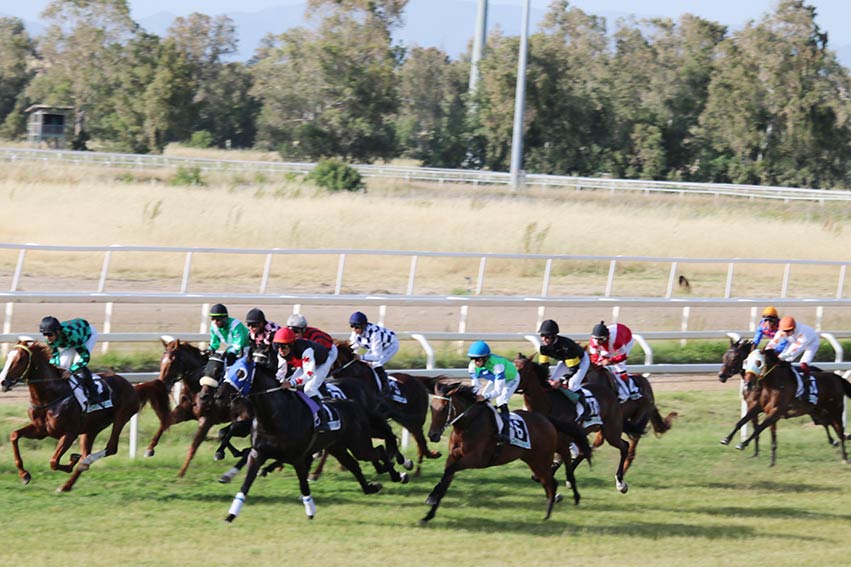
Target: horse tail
[[575, 432], [150, 390], [661, 425]]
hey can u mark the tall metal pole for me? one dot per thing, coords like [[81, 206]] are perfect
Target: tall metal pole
[[478, 44], [520, 101]]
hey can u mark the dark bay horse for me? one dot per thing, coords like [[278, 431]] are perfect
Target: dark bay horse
[[732, 363], [410, 415], [473, 443], [636, 413], [776, 385], [283, 430], [55, 412], [539, 396]]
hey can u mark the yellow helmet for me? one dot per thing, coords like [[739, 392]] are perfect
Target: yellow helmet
[[770, 311]]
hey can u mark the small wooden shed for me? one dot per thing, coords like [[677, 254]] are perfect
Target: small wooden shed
[[48, 124]]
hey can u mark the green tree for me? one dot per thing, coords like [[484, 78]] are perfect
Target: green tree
[[168, 98], [17, 55], [431, 122]]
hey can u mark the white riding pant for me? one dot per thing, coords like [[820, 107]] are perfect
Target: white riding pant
[[69, 356], [386, 355], [312, 383]]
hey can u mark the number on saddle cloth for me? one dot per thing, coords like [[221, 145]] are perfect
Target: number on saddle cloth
[[240, 374]]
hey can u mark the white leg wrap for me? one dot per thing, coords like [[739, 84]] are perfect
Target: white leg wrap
[[237, 503], [231, 473], [309, 505], [94, 457]]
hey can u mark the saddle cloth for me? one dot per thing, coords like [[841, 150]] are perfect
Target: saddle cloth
[[518, 434], [626, 390], [333, 392], [334, 422], [593, 405], [395, 391], [102, 400], [799, 392]]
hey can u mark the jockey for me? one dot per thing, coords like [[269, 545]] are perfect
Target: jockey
[[380, 344], [298, 324], [71, 343], [767, 326], [801, 340], [228, 332], [573, 361], [610, 346], [310, 363], [260, 334], [493, 378]]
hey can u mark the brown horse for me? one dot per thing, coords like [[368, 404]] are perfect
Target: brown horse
[[636, 413], [732, 363], [55, 412], [410, 415], [473, 443], [776, 386], [539, 396]]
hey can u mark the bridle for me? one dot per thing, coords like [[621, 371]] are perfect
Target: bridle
[[450, 413], [23, 375]]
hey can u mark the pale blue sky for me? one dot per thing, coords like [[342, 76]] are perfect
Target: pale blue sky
[[833, 15]]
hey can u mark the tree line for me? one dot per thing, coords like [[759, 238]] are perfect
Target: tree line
[[653, 99]]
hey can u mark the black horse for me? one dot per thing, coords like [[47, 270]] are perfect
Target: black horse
[[284, 430]]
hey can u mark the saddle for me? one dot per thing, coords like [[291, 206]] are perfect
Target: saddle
[[103, 399], [334, 422]]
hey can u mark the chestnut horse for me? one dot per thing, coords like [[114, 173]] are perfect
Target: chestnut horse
[[539, 396], [55, 412], [283, 430], [473, 443], [776, 385], [636, 413]]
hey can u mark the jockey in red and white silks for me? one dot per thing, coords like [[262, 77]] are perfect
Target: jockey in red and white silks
[[610, 346]]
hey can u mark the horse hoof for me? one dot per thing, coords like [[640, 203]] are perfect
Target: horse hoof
[[230, 518], [725, 441], [433, 455], [558, 498], [26, 478], [313, 477], [224, 479], [621, 485], [74, 458], [567, 484], [219, 455], [430, 501], [740, 447], [149, 453], [373, 487], [403, 478]]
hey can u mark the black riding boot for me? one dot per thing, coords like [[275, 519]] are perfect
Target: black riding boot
[[382, 377], [323, 417], [503, 435], [585, 405], [84, 378]]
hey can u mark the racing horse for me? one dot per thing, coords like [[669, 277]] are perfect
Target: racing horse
[[732, 363], [284, 430], [539, 396], [186, 363], [473, 443], [55, 412], [636, 413], [410, 415], [777, 384]]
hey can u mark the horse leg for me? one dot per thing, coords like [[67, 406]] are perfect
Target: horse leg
[[773, 445], [598, 439], [234, 470], [613, 438], [204, 425], [86, 442], [833, 442], [122, 416], [61, 447], [301, 470], [542, 468], [630, 454], [749, 416], [439, 491], [317, 472], [347, 460], [769, 420], [255, 461], [157, 396], [28, 432], [422, 449]]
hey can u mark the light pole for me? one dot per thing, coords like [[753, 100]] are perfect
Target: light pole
[[478, 44], [520, 101]]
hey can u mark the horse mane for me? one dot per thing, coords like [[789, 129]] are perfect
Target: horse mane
[[43, 350]]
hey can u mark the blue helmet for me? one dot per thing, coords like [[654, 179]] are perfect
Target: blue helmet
[[357, 319], [479, 349]]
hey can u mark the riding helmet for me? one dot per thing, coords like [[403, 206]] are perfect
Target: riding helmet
[[284, 336], [600, 331], [787, 324], [297, 320], [255, 316], [548, 327], [357, 319], [49, 325], [479, 349], [218, 310], [770, 311]]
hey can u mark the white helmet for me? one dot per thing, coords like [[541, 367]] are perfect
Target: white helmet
[[297, 320]]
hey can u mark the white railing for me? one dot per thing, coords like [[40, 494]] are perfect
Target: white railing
[[426, 174]]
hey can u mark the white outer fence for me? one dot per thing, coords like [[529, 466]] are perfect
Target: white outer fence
[[427, 174]]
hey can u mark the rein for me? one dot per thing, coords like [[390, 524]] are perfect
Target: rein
[[450, 413]]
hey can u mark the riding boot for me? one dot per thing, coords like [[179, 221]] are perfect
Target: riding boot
[[585, 405], [809, 386], [320, 413], [503, 435], [382, 377], [84, 378]]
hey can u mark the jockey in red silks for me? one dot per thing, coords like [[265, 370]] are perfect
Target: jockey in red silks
[[609, 346], [310, 363]]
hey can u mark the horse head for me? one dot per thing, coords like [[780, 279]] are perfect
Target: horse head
[[179, 358], [448, 401], [733, 360], [528, 370], [24, 361]]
